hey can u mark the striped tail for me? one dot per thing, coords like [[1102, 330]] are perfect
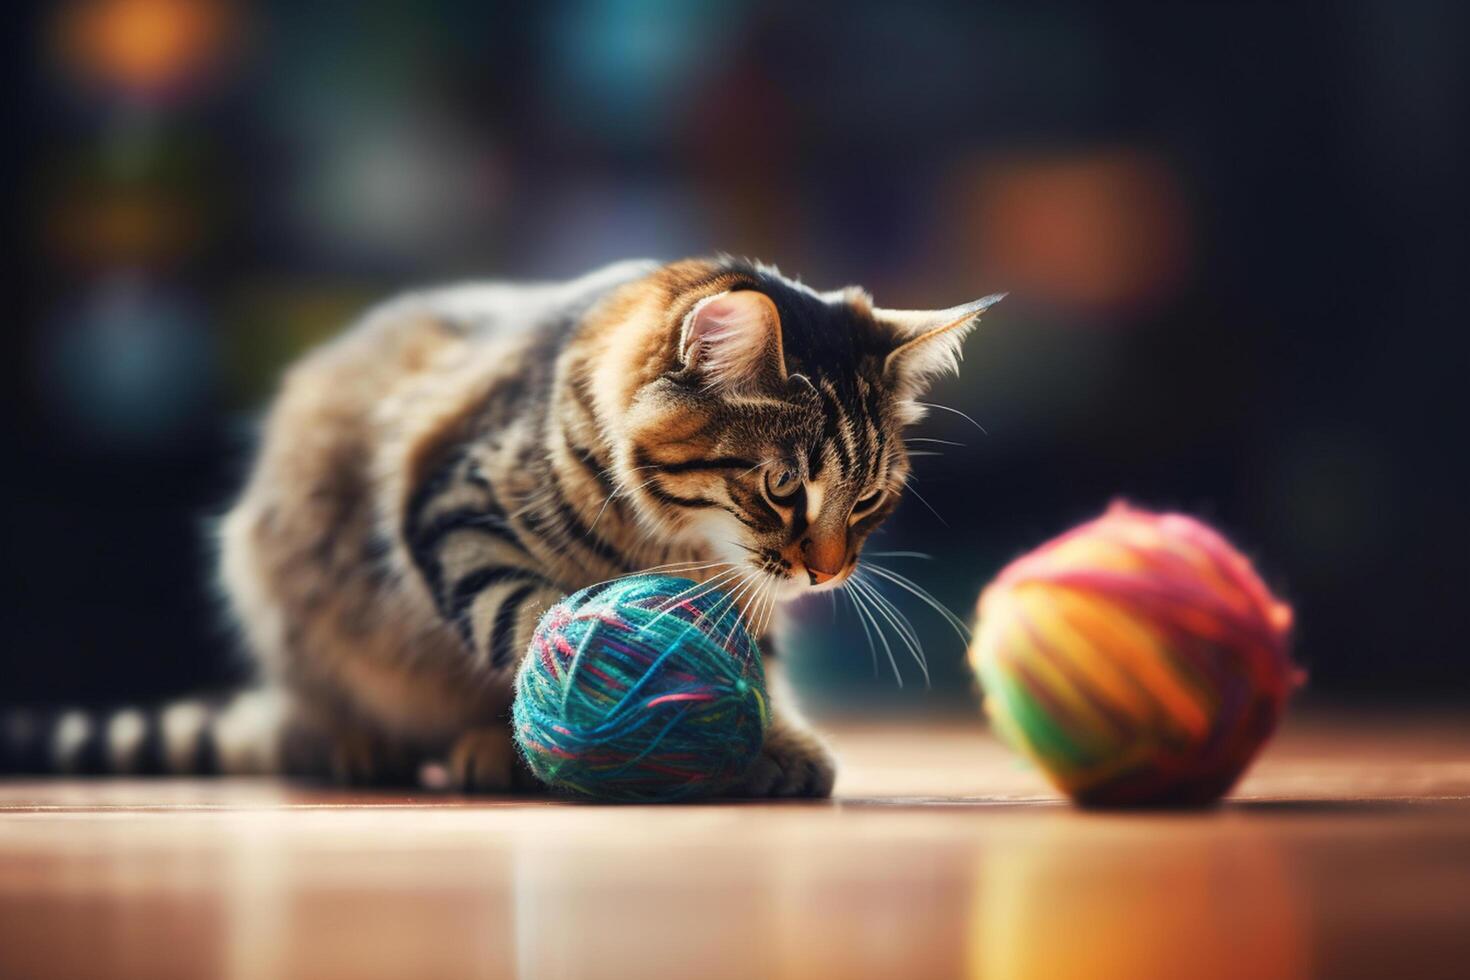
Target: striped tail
[[236, 735]]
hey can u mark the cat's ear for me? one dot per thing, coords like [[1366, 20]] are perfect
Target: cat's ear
[[733, 340], [929, 340]]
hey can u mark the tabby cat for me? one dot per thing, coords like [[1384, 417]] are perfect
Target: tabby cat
[[435, 478]]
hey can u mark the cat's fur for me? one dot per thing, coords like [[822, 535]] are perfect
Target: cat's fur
[[430, 482]]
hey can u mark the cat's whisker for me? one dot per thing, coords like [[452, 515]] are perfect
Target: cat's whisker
[[901, 554], [903, 624], [955, 411], [678, 570], [720, 580], [646, 571], [939, 442], [768, 598], [698, 590], [961, 628], [749, 590], [681, 566], [622, 492], [872, 648], [730, 599], [773, 585], [763, 595], [739, 618], [900, 624], [861, 604], [909, 488], [694, 591]]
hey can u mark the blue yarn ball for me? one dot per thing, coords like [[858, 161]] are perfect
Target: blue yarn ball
[[643, 689]]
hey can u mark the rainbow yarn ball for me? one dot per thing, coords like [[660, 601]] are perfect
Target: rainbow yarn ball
[[643, 689], [1138, 659]]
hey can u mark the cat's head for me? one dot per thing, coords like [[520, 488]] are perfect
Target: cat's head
[[769, 422]]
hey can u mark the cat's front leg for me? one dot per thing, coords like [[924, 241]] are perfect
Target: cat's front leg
[[793, 762], [322, 747], [485, 760]]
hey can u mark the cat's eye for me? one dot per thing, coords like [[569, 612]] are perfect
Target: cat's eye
[[867, 503], [782, 483]]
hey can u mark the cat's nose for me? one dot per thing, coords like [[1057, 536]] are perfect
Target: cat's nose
[[824, 558]]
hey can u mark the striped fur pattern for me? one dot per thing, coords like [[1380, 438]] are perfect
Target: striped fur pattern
[[434, 479]]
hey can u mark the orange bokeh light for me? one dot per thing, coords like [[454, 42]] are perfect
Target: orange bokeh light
[[1101, 230], [145, 46]]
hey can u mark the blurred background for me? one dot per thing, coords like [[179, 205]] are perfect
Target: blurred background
[[1232, 235]]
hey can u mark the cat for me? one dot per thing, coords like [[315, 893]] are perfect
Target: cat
[[435, 478]]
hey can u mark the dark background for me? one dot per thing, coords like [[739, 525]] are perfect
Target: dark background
[[1233, 235]]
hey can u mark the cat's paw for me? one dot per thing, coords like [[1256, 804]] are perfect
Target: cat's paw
[[792, 763], [344, 755], [484, 760]]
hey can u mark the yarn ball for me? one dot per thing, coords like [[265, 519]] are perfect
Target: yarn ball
[[1137, 659], [643, 689]]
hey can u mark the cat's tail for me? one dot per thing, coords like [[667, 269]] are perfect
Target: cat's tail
[[238, 734]]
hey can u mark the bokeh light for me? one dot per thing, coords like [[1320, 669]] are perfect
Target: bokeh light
[[145, 48]]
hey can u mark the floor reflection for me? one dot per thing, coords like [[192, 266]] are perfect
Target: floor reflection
[[1348, 857], [1106, 895]]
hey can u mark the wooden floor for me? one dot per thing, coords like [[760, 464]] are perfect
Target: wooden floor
[[1346, 853]]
